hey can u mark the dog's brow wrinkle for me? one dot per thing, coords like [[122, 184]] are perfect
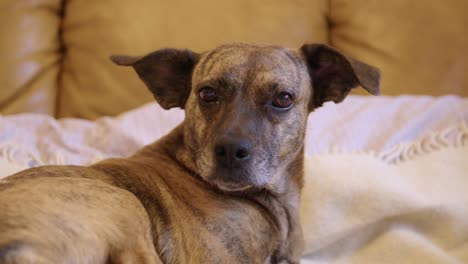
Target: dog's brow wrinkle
[[206, 61], [296, 63], [252, 69], [215, 57]]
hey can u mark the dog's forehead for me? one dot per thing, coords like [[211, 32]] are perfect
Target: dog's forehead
[[241, 61]]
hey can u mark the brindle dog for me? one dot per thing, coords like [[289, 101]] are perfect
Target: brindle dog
[[222, 187]]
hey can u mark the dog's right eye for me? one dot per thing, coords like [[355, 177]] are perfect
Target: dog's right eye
[[283, 100], [208, 94]]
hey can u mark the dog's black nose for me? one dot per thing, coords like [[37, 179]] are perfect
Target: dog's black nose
[[232, 152]]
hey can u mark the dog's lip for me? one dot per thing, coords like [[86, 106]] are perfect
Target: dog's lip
[[231, 187], [230, 179]]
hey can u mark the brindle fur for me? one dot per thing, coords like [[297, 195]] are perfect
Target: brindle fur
[[167, 203]]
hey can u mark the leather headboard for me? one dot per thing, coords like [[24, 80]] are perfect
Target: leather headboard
[[420, 46], [92, 86], [55, 54]]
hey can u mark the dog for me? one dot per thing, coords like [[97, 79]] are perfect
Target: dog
[[222, 187]]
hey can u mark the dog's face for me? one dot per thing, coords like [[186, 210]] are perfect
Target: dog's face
[[246, 114], [247, 105]]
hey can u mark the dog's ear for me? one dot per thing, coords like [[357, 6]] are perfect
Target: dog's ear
[[166, 72], [334, 75]]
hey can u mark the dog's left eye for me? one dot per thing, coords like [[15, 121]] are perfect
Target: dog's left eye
[[208, 94], [283, 100]]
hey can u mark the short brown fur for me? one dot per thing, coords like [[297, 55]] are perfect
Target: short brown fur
[[170, 202]]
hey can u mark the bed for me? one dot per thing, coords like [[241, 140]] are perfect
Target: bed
[[386, 177]]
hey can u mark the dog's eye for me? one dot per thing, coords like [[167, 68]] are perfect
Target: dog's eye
[[283, 100], [208, 94]]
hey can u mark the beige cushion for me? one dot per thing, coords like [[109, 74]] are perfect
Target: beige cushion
[[421, 46], [29, 52], [92, 86]]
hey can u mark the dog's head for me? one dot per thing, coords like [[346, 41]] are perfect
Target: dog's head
[[247, 105]]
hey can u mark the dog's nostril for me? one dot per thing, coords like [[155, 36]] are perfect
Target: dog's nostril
[[220, 151], [242, 153], [232, 153]]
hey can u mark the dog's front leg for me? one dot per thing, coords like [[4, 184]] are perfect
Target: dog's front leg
[[295, 244]]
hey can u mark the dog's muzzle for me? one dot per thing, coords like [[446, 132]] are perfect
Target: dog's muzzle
[[232, 155]]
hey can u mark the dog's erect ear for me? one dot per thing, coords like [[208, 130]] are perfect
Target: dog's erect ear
[[166, 72], [334, 75]]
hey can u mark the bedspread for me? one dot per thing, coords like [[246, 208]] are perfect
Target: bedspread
[[386, 178]]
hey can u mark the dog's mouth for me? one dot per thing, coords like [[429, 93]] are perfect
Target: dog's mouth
[[230, 186], [231, 179]]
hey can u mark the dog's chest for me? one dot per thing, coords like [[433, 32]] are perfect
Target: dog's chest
[[218, 231]]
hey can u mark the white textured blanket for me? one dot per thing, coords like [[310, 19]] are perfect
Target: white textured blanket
[[386, 178], [407, 207]]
